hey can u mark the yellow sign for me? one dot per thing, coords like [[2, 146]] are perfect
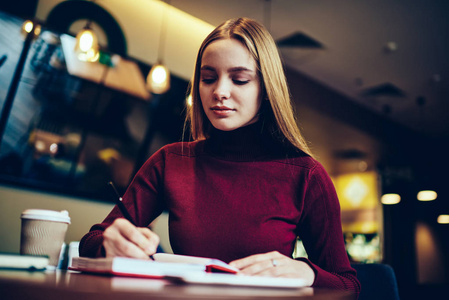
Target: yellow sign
[[358, 195]]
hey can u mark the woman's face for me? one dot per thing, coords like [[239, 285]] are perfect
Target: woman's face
[[230, 88]]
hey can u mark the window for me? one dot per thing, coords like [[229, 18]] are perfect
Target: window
[[69, 134]]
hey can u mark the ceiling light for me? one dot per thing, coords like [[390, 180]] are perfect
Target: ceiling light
[[87, 44], [29, 26], [443, 219], [158, 79], [391, 47], [390, 199], [427, 195]]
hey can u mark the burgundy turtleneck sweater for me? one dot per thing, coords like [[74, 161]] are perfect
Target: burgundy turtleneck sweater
[[236, 194]]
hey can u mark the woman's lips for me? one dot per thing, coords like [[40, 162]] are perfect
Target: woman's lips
[[222, 111]]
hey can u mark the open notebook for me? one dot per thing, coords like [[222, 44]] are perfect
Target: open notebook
[[163, 265], [180, 269]]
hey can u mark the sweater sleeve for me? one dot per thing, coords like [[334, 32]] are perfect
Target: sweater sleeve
[[143, 199], [321, 232]]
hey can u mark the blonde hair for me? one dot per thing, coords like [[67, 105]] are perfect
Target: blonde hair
[[279, 114]]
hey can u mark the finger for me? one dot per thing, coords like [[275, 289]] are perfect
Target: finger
[[131, 233], [254, 259], [273, 267], [286, 268], [152, 241], [117, 245], [256, 268], [247, 261], [124, 239], [290, 268], [267, 267], [278, 271]]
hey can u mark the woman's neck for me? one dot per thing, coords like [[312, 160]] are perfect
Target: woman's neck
[[244, 144]]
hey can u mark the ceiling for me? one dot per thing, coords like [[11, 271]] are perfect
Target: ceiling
[[391, 57]]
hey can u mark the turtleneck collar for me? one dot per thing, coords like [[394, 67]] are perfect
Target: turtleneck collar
[[244, 144]]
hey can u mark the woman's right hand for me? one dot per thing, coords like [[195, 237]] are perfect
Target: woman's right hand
[[122, 238]]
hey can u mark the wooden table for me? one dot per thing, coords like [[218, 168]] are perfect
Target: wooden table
[[69, 285]]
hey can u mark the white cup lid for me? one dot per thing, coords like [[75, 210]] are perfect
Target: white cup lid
[[47, 215]]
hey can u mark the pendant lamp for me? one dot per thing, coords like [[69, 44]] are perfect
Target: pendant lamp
[[158, 79], [29, 26], [86, 47]]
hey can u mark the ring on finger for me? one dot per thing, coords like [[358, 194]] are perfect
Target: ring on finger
[[274, 262]]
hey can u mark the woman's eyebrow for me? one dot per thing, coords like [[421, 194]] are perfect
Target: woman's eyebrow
[[239, 69], [230, 70], [207, 68]]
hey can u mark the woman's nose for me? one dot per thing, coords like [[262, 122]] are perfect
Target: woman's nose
[[222, 90]]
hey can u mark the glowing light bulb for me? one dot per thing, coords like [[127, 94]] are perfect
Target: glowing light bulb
[[87, 45], [390, 199], [158, 80], [159, 74], [86, 40], [443, 219], [427, 195], [54, 148], [39, 146], [28, 26]]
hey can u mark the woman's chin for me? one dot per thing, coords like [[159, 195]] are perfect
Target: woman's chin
[[226, 125]]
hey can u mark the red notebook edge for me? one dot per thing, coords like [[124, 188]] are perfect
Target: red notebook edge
[[219, 269]]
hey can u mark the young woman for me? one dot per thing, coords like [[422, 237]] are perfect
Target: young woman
[[247, 186]]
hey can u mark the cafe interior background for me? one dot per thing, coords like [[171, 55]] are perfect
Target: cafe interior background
[[369, 80]]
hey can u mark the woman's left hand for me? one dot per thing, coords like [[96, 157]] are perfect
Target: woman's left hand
[[274, 264]]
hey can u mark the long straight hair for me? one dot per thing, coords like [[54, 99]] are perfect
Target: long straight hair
[[278, 115]]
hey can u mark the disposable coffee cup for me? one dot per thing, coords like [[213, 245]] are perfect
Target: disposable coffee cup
[[43, 233]]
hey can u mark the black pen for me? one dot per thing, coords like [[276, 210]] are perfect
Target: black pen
[[118, 200]]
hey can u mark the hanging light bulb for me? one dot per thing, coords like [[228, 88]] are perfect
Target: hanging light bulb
[[158, 80], [87, 45], [29, 26]]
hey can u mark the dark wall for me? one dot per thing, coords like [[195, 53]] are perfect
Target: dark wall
[[22, 8]]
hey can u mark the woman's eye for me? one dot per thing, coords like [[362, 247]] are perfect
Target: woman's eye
[[240, 82], [208, 80]]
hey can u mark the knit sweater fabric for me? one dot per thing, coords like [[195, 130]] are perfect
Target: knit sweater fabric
[[236, 194]]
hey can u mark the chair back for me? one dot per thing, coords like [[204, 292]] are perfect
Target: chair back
[[378, 282]]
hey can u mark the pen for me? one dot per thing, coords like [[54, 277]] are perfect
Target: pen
[[118, 200]]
